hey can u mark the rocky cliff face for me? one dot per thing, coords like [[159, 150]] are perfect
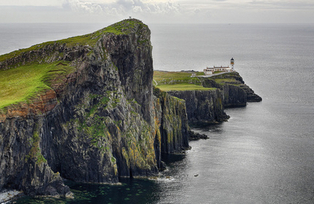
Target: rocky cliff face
[[98, 123], [235, 92], [203, 107], [207, 107], [171, 113]]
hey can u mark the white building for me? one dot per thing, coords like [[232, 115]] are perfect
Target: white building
[[211, 70]]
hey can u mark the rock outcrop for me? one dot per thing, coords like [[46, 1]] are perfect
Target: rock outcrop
[[171, 113], [98, 123], [203, 107], [235, 92]]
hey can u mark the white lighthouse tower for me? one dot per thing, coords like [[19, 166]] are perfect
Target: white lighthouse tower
[[232, 64]]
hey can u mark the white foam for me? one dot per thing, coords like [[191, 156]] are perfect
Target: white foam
[[6, 196]]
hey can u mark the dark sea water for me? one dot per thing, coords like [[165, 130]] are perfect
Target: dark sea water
[[263, 154]]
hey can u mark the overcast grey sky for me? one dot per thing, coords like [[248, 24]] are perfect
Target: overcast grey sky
[[158, 11]]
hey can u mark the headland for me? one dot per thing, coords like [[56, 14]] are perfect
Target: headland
[[86, 109]]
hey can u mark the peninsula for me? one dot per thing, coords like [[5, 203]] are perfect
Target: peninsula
[[206, 97], [86, 109]]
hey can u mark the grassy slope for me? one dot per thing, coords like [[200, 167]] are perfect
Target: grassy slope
[[182, 87], [227, 78], [178, 81], [24, 82]]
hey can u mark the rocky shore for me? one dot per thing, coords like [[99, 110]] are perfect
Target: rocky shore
[[6, 196]]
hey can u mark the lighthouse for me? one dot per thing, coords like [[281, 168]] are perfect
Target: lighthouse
[[232, 64]]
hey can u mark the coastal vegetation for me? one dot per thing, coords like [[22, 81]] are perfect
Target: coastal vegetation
[[23, 83], [191, 81], [226, 80], [178, 81], [183, 87]]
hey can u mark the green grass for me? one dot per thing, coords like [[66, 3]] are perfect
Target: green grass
[[181, 81], [226, 80], [22, 83], [178, 81], [218, 72], [163, 78], [183, 87]]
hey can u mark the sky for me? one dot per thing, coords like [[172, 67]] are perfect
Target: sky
[[157, 11]]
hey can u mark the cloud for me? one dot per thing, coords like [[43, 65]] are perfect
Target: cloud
[[283, 4], [54, 3], [157, 11]]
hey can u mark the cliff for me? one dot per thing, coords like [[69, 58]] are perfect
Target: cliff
[[206, 97], [235, 92], [203, 107], [171, 112], [93, 116]]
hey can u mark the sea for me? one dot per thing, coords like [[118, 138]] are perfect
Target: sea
[[263, 154]]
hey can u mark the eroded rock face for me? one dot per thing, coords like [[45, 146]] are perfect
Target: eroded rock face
[[203, 107], [22, 163], [44, 103], [98, 124], [235, 92], [171, 114], [207, 107], [234, 96]]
